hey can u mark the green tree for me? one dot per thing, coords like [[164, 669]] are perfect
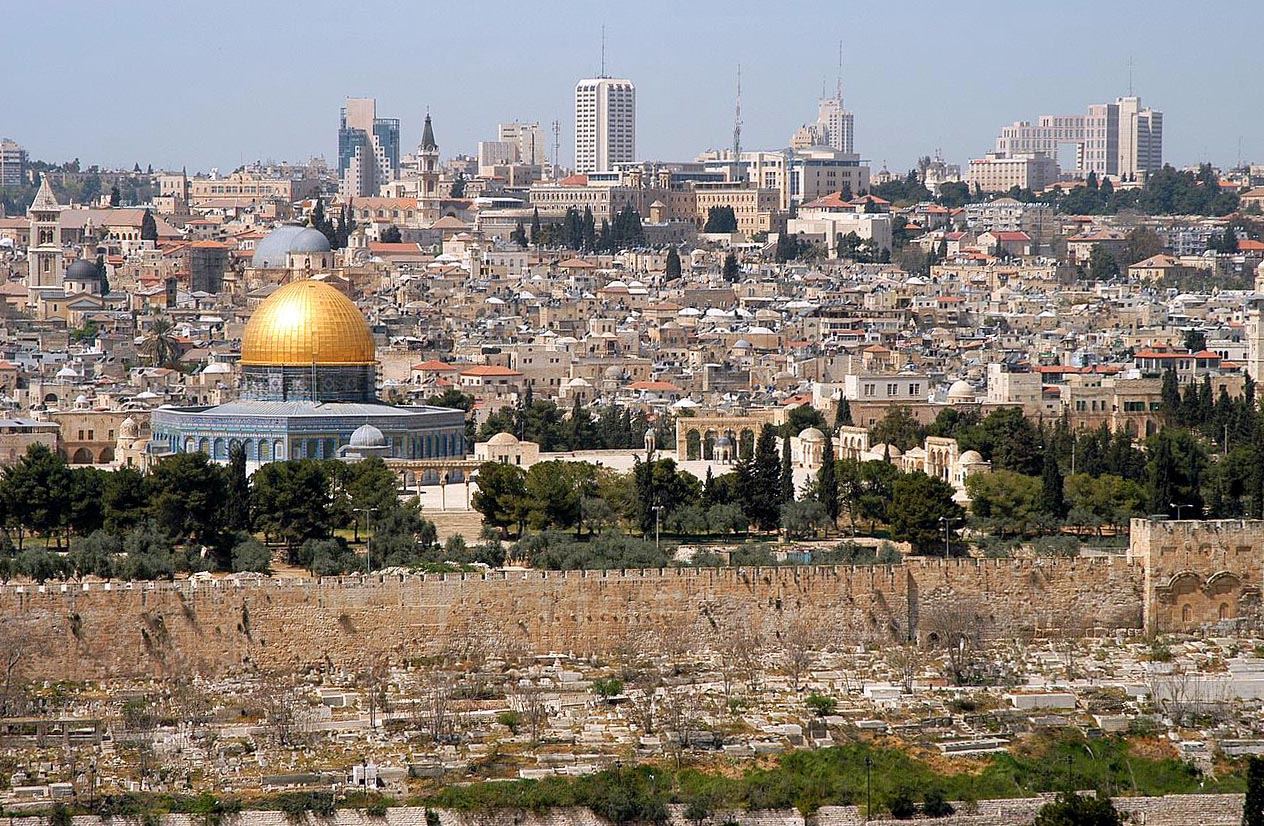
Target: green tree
[[1195, 340], [1102, 266], [519, 235], [536, 229], [160, 347], [1052, 496], [1006, 503], [1071, 809], [921, 506], [391, 235], [897, 428], [762, 489], [842, 418], [148, 227], [36, 492], [251, 555], [501, 496], [237, 505], [1170, 393], [672, 267], [732, 271], [803, 518], [124, 499], [1008, 439], [1175, 473], [785, 481], [720, 219], [115, 196], [827, 481], [555, 492], [457, 190], [292, 502], [1253, 806]]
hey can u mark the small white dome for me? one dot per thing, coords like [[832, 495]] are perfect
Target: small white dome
[[961, 390], [811, 434], [503, 440], [970, 457], [366, 435]]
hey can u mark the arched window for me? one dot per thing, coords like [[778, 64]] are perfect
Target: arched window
[[1187, 614]]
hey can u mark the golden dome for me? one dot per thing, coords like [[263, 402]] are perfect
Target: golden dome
[[307, 322]]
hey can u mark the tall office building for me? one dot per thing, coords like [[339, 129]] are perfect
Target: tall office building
[[368, 148], [516, 143], [605, 124], [12, 164], [1119, 138], [837, 126]]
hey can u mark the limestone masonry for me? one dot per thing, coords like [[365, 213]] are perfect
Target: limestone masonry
[[1176, 575]]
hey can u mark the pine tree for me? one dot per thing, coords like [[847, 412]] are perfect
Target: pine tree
[[536, 229], [103, 275], [1170, 393], [787, 470], [732, 270], [672, 271], [1052, 496], [115, 197], [827, 480], [1162, 477], [519, 235]]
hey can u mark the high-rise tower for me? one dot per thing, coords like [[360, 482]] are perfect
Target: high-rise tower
[[605, 123], [368, 148]]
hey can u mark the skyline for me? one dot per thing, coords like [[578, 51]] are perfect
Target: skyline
[[271, 83]]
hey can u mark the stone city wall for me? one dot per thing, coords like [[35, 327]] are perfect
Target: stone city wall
[[86, 631], [1172, 810]]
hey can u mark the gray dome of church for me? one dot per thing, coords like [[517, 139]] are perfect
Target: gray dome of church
[[82, 270], [366, 435], [272, 249]]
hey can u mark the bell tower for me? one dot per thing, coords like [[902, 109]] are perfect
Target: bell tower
[[44, 252], [428, 165]]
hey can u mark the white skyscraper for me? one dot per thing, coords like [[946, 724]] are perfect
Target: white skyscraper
[[837, 124], [605, 123]]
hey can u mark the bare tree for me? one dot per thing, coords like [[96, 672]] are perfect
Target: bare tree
[[13, 697], [435, 714], [283, 712], [801, 640], [956, 628], [904, 659], [374, 682], [737, 647], [528, 701], [644, 699], [677, 642], [682, 715]]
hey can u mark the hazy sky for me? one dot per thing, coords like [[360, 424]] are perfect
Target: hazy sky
[[221, 83]]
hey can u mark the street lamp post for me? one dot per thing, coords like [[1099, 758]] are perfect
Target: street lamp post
[[943, 520], [1178, 509], [368, 541], [658, 512], [868, 788]]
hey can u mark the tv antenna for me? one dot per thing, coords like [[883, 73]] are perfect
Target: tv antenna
[[737, 119], [1129, 75], [557, 142], [838, 88], [603, 51]]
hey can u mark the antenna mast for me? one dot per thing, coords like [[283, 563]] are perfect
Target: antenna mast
[[557, 142], [1130, 76], [603, 51], [838, 88], [737, 120]]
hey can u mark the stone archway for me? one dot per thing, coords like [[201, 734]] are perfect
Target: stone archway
[[82, 456]]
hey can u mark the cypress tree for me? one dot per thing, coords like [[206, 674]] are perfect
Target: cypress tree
[[827, 480], [765, 486], [843, 417], [673, 264], [1052, 498], [536, 229], [148, 227], [1162, 477], [787, 470], [1253, 806], [237, 506]]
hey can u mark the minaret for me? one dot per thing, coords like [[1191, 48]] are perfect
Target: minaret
[[44, 252]]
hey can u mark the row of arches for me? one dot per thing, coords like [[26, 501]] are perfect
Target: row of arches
[[84, 456], [707, 445], [427, 446]]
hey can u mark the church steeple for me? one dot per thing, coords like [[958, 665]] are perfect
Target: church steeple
[[44, 253], [427, 137]]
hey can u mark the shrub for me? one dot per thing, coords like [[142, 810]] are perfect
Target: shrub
[[251, 555], [823, 706], [935, 805]]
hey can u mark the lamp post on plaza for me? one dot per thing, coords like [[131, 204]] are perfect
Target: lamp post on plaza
[[658, 512]]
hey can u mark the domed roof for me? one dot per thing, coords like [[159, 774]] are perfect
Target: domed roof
[[811, 434], [724, 441], [961, 391], [306, 323], [128, 428], [366, 435], [271, 250], [970, 457], [503, 440], [82, 270]]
